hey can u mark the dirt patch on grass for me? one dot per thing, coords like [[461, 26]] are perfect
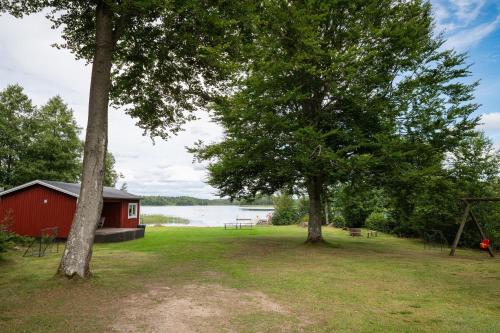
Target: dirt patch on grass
[[192, 308]]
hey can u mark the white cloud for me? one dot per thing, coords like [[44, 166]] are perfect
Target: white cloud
[[490, 122], [462, 23], [467, 38], [441, 15], [455, 14], [467, 10]]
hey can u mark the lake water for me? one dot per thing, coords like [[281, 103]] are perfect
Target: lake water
[[209, 216]]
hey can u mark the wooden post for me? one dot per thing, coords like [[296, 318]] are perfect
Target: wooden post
[[483, 236], [460, 229]]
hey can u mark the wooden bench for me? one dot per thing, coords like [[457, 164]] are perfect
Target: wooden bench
[[354, 232], [239, 225]]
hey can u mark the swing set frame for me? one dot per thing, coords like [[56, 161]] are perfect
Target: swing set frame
[[468, 213]]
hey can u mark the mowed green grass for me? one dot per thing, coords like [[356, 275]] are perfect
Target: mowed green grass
[[382, 284]]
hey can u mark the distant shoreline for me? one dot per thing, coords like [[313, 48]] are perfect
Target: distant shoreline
[[245, 207], [150, 200]]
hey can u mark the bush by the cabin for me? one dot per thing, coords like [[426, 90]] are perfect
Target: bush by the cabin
[[7, 238], [4, 237]]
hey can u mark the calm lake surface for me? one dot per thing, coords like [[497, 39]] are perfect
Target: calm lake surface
[[209, 216]]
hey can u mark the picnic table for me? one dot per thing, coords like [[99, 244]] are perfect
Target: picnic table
[[239, 224], [355, 232]]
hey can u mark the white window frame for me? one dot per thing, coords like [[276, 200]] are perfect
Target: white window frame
[[132, 205]]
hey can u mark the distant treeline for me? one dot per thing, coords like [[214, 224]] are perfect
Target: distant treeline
[[157, 200]]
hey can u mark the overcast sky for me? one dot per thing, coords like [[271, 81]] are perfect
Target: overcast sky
[[165, 168]]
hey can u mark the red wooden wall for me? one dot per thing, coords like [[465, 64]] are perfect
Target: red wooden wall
[[38, 207], [125, 221]]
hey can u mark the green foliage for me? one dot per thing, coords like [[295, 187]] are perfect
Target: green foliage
[[378, 221], [314, 109], [168, 56], [37, 142], [41, 142], [155, 200], [158, 200], [303, 206], [338, 221], [432, 201], [303, 218], [338, 91], [4, 238], [111, 176], [356, 200], [285, 210], [16, 110], [54, 151], [7, 238]]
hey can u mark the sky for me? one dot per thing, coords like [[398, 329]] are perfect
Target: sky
[[165, 167]]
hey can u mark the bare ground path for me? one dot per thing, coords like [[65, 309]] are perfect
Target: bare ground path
[[193, 308]]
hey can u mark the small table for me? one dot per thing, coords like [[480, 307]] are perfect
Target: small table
[[239, 225]]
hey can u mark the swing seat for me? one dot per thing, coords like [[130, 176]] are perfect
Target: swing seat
[[485, 243]]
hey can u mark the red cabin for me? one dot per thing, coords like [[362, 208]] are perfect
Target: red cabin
[[40, 204]]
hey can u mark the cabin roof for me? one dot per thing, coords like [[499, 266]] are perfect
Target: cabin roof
[[74, 189]]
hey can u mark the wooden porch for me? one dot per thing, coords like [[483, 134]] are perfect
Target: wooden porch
[[110, 235]]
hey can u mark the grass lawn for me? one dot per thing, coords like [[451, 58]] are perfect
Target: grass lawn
[[264, 280]]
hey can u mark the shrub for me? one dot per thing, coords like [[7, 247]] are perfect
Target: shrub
[[303, 207], [285, 211], [378, 221], [338, 221], [4, 238], [5, 235], [355, 213], [304, 218]]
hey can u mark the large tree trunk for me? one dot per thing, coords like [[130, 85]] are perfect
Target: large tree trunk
[[314, 188], [78, 250]]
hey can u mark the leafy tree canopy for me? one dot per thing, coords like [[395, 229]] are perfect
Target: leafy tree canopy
[[111, 176], [168, 56], [37, 142], [41, 142], [335, 90]]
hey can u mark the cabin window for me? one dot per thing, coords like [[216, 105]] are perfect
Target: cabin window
[[132, 210]]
